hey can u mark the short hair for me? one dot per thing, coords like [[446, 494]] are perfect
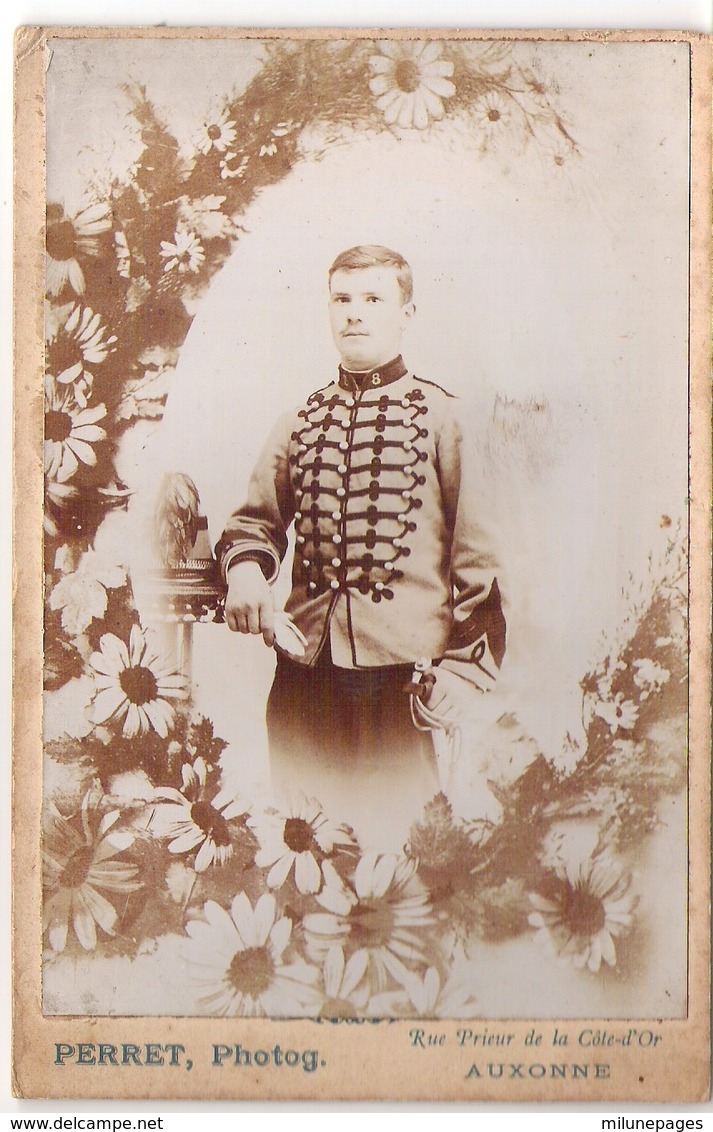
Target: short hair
[[374, 255]]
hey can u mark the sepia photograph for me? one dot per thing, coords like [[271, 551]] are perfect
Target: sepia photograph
[[367, 548]]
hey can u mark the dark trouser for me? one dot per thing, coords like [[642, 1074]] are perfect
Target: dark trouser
[[346, 737]]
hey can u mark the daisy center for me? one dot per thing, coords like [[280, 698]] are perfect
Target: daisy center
[[61, 240], [211, 821], [407, 76], [214, 132], [298, 835], [58, 425], [583, 912], [64, 353], [138, 684], [372, 924], [77, 868], [251, 971], [494, 114]]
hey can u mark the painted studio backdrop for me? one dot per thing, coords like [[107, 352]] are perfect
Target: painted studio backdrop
[[197, 192]]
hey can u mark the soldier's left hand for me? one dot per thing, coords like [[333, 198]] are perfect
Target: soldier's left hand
[[449, 696]]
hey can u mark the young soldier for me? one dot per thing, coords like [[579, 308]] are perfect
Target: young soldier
[[392, 564]]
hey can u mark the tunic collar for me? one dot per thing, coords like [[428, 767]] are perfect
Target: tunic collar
[[373, 378]]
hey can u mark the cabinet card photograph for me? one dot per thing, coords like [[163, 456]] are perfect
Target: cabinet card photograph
[[375, 565]]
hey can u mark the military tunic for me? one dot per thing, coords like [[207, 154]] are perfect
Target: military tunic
[[392, 554]]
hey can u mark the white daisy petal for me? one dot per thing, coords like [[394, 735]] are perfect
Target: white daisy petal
[[391, 48], [187, 840], [103, 912], [433, 103], [442, 68], [607, 947], [57, 912], [205, 855], [264, 918], [333, 971], [107, 704], [134, 722], [382, 65], [81, 450], [323, 923], [333, 899], [68, 466], [406, 111], [440, 86], [242, 914], [424, 52], [420, 111], [354, 971], [87, 433], [381, 84], [115, 654], [280, 936], [161, 716], [308, 875], [220, 920], [391, 105], [137, 645], [90, 416], [280, 870], [83, 923]]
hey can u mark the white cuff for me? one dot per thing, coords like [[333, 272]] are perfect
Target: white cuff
[[250, 548]]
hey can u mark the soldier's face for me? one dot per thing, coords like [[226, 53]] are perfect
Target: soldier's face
[[368, 316]]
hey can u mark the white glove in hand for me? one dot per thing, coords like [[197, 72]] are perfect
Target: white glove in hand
[[288, 636], [448, 698]]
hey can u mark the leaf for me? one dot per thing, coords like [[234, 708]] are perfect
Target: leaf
[[203, 742], [82, 596], [443, 849]]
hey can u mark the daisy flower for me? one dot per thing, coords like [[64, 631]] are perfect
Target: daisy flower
[[617, 713], [216, 132], [410, 80], [300, 841], [75, 343], [68, 239], [192, 820], [70, 432], [558, 156], [492, 112], [133, 686], [385, 915], [589, 907], [185, 253], [78, 869], [237, 959]]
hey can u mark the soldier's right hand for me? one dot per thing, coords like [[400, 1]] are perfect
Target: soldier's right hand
[[248, 603]]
